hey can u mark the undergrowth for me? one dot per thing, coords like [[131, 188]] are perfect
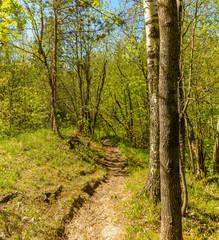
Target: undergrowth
[[36, 163], [143, 217], [137, 158]]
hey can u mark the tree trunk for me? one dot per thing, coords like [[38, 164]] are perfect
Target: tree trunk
[[88, 77], [191, 141], [171, 220], [200, 158], [130, 118], [79, 74], [182, 162], [198, 148], [182, 146], [181, 105], [216, 151], [99, 92], [152, 186], [54, 118]]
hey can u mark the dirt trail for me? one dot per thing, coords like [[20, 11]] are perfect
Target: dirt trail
[[97, 219]]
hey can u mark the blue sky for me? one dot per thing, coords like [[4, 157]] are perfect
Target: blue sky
[[115, 3]]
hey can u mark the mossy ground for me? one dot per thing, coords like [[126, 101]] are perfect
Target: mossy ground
[[34, 163]]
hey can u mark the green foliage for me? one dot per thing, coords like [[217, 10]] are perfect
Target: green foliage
[[124, 108], [137, 159], [201, 66], [12, 19], [23, 105], [88, 37]]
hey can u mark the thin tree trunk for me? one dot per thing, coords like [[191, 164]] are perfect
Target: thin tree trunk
[[129, 112], [201, 170], [181, 104], [188, 127], [216, 151], [171, 220], [152, 186], [198, 148], [88, 77], [130, 118], [182, 157], [54, 118], [80, 84], [191, 141], [99, 92], [182, 148]]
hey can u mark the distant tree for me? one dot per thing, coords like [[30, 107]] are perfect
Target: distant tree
[[199, 63], [216, 151], [40, 24]]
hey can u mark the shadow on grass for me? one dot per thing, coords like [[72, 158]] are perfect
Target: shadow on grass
[[9, 223], [200, 214]]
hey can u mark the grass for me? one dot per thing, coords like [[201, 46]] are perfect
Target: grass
[[35, 163], [201, 221], [39, 162], [137, 158], [202, 218]]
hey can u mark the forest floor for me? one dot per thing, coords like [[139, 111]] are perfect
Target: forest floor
[[98, 219], [49, 191]]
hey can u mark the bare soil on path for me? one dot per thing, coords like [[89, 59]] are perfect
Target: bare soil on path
[[98, 219]]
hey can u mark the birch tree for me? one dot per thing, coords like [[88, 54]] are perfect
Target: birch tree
[[171, 221], [152, 185]]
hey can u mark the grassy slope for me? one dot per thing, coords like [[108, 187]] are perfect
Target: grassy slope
[[143, 218], [33, 164]]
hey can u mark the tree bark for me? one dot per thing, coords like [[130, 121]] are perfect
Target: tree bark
[[152, 186], [171, 220]]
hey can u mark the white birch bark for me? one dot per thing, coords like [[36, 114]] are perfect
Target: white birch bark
[[152, 185]]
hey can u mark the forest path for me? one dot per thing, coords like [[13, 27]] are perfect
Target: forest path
[[98, 219]]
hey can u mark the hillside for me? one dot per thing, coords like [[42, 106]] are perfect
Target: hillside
[[40, 180], [43, 183]]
